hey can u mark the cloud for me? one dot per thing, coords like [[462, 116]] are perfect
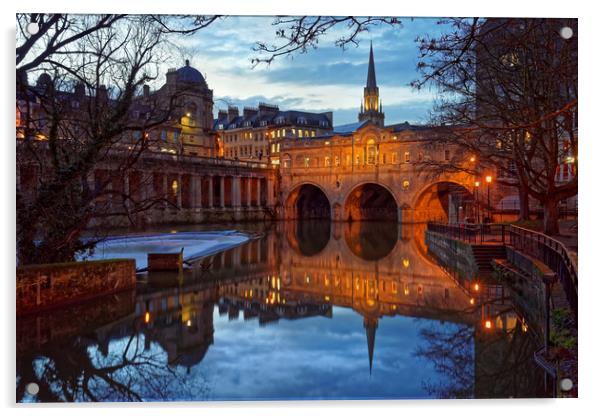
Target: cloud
[[323, 79]]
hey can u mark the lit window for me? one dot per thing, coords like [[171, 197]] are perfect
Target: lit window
[[327, 161], [306, 162], [407, 157], [337, 161], [406, 184]]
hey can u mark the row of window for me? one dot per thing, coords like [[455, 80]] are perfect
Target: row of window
[[246, 151], [279, 133]]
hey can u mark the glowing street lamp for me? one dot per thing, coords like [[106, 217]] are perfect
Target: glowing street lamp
[[488, 179], [476, 191]]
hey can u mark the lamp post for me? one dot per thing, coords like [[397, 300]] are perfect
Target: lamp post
[[476, 191], [488, 180]]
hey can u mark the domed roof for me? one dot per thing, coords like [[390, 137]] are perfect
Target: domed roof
[[189, 74]]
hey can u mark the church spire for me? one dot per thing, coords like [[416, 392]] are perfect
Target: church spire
[[370, 110], [371, 81]]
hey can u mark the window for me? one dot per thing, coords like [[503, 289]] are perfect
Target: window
[[306, 162], [176, 136], [313, 133], [384, 158], [300, 133], [163, 135], [327, 161], [406, 184], [407, 157], [337, 161], [447, 155], [371, 153]]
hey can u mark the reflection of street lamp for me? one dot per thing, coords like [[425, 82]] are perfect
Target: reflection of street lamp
[[476, 191], [488, 179]]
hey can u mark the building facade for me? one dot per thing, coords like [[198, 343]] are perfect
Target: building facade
[[257, 133]]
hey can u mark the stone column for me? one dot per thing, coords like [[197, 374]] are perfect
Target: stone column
[[258, 182], [195, 191], [236, 191], [164, 190], [222, 189], [179, 192], [270, 192], [249, 191], [210, 192]]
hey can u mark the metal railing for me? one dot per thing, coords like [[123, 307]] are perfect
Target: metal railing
[[473, 233], [553, 254], [549, 251]]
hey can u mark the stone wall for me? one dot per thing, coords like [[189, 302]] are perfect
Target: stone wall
[[454, 255], [45, 286], [526, 281]]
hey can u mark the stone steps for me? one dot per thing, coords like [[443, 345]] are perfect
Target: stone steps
[[484, 255]]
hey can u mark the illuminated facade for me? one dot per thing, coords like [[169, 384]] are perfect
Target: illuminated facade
[[256, 134]]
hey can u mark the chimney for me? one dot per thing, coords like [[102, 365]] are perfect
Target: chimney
[[145, 91], [222, 114], [232, 113], [171, 76], [267, 109], [249, 112]]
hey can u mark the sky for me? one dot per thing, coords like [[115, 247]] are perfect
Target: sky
[[323, 79]]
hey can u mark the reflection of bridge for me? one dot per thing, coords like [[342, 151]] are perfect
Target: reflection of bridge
[[282, 276]]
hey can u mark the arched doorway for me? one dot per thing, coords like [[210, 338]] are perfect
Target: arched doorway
[[370, 202], [445, 202], [308, 202]]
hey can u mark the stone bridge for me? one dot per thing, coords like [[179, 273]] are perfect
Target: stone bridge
[[374, 173]]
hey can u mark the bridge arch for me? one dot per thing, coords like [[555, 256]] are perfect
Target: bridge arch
[[308, 200], [370, 201], [446, 200]]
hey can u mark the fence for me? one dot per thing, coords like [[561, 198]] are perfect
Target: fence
[[549, 251]]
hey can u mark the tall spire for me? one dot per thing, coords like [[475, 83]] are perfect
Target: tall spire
[[371, 82]]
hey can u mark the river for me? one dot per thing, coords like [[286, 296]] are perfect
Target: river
[[311, 310]]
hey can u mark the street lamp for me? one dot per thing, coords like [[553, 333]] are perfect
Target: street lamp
[[476, 191], [488, 179]]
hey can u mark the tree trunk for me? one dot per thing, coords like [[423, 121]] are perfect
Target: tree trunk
[[523, 200], [550, 216]]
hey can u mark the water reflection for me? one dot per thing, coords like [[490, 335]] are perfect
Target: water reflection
[[312, 310]]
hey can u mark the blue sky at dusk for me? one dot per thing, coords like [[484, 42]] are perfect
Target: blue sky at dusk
[[323, 79]]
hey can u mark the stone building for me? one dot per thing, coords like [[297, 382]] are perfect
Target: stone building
[[256, 134], [190, 129]]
